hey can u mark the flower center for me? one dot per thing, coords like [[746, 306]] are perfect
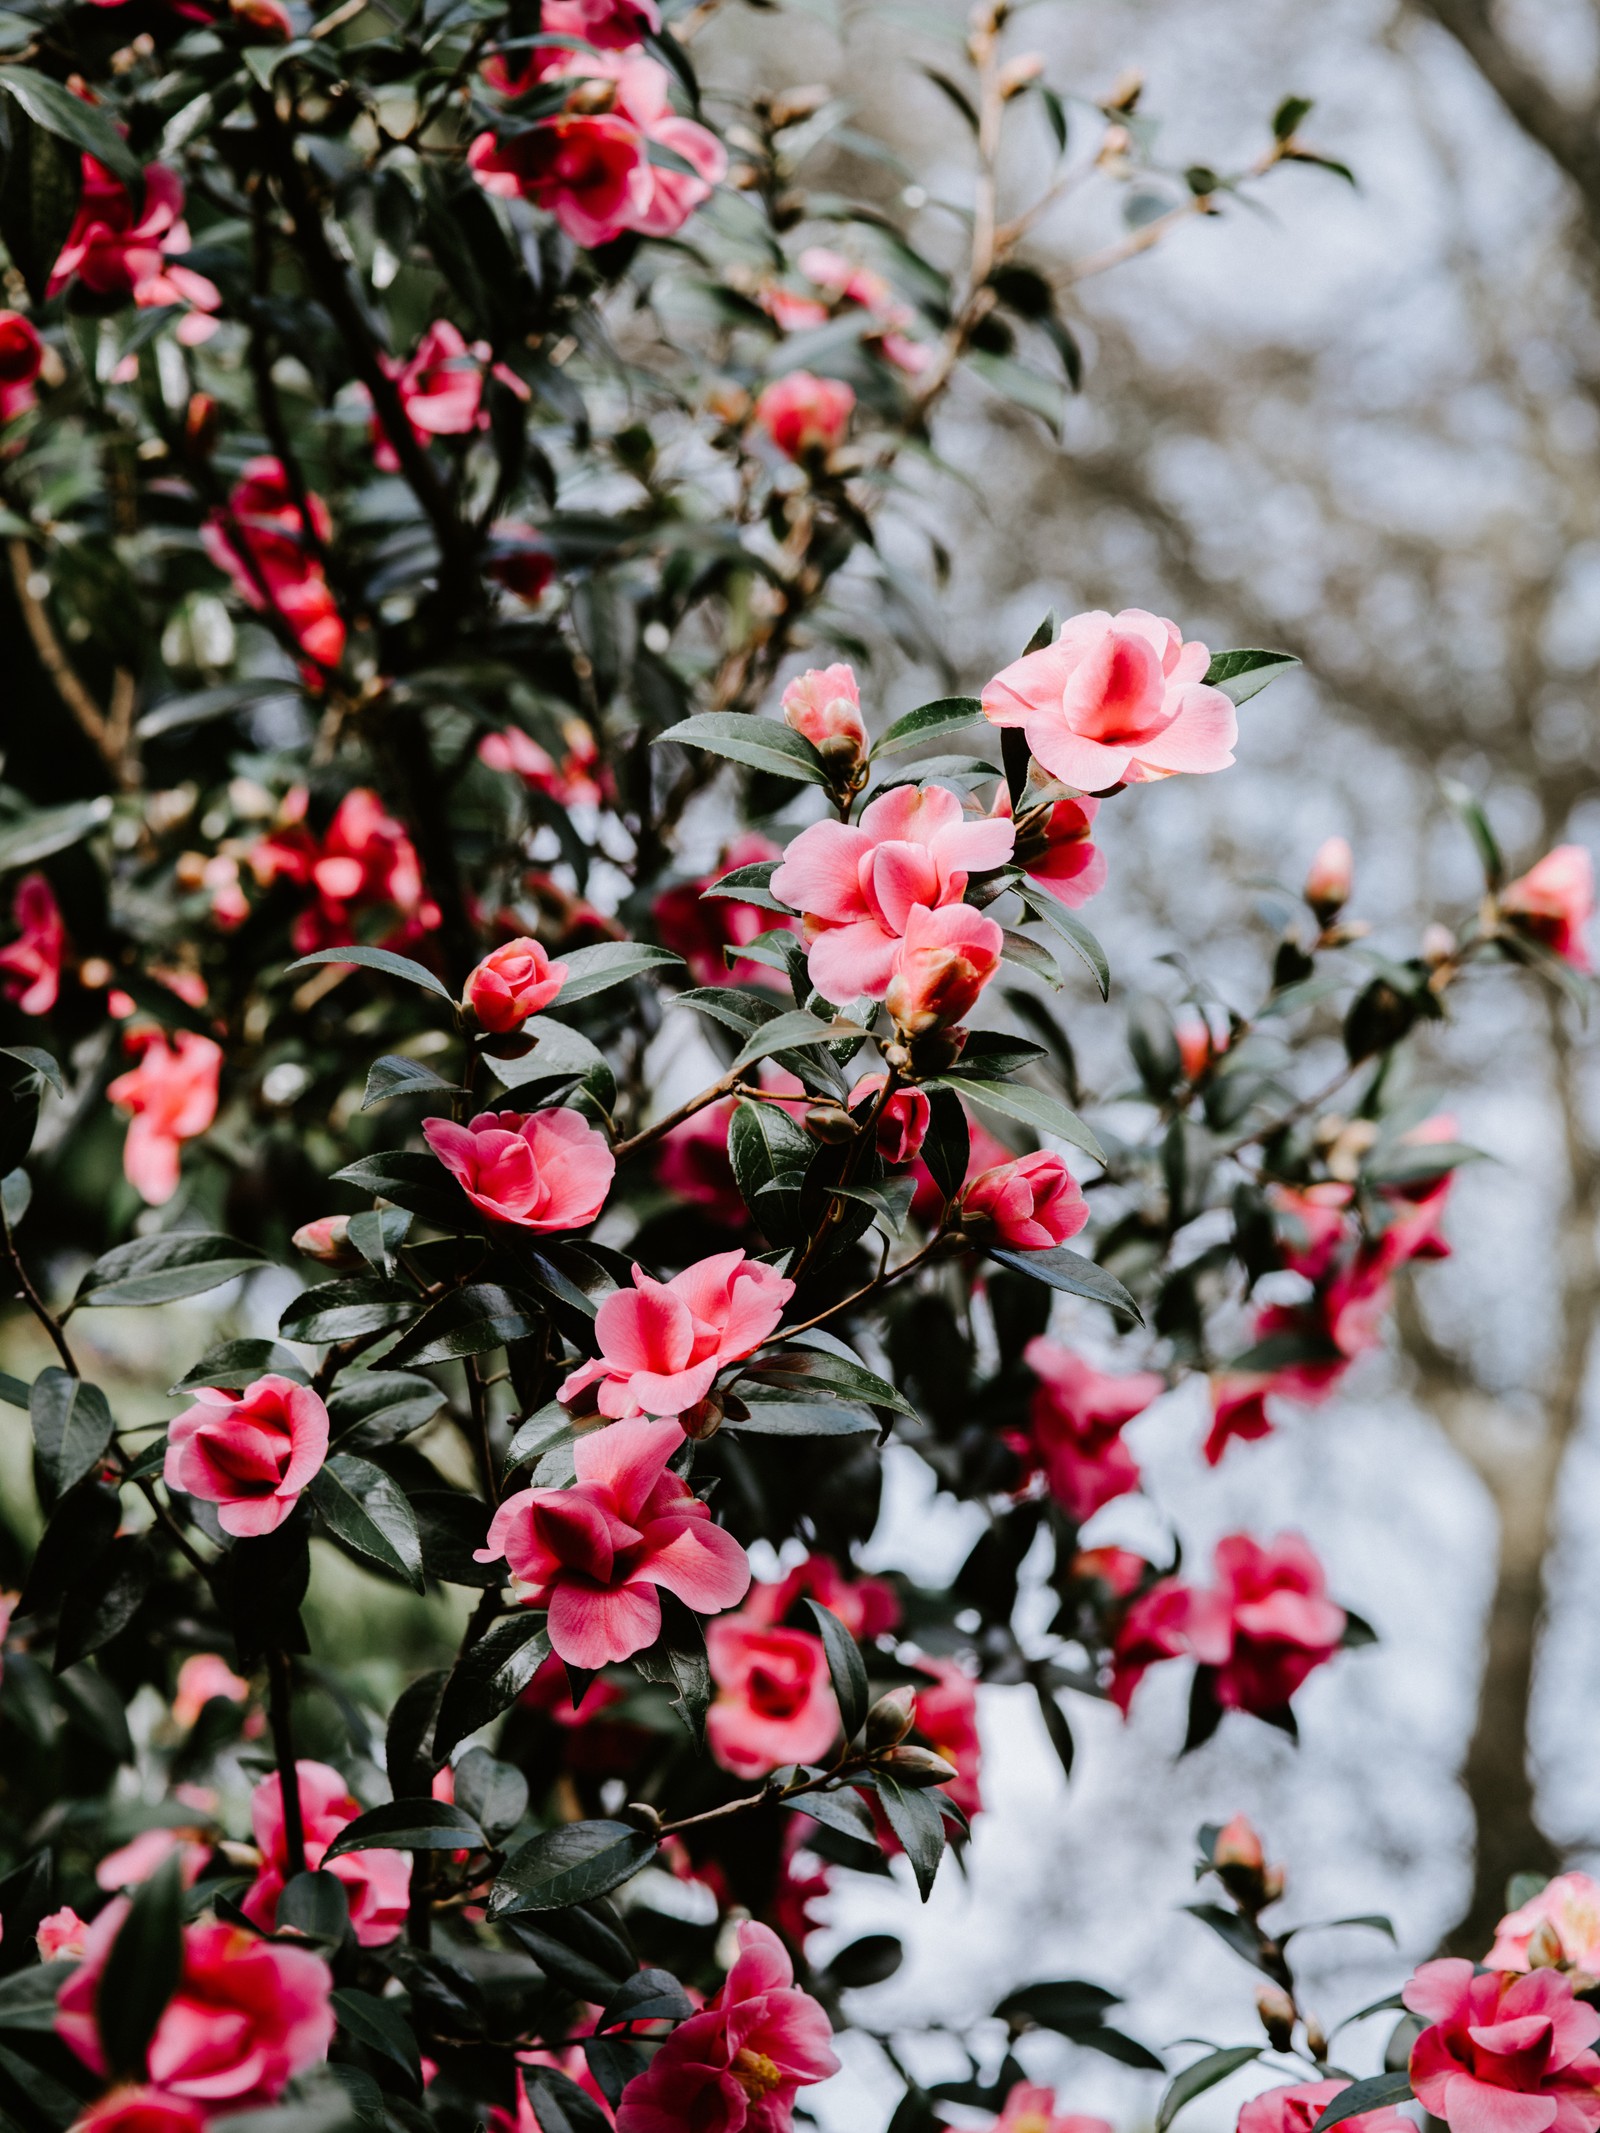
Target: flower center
[[755, 2074]]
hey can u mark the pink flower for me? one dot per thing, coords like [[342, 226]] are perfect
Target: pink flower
[[641, 96], [1415, 1232], [1030, 1204], [1238, 1409], [1159, 1624], [1504, 2054], [866, 1606], [859, 883], [441, 389], [699, 928], [577, 780], [804, 415], [1116, 699], [611, 24], [172, 1094], [32, 962], [548, 1170], [1564, 1919], [266, 549], [1313, 1225], [203, 1678], [1553, 902], [1075, 1425], [112, 255], [774, 1702], [1275, 1621], [20, 359], [902, 1123], [134, 2107], [250, 1453], [595, 1553], [363, 861], [1297, 2108], [513, 982], [327, 1240], [1199, 1046], [945, 961], [823, 705], [519, 560], [1055, 846], [61, 1936], [984, 1153], [1030, 2109], [247, 2015], [377, 1884], [947, 1719], [592, 174], [1329, 879], [693, 1165], [134, 1862], [663, 1342], [735, 2067]]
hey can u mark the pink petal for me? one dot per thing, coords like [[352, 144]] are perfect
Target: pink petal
[[593, 1628], [820, 871], [702, 1563], [644, 1328], [627, 1459], [1073, 759], [1201, 737], [848, 961]]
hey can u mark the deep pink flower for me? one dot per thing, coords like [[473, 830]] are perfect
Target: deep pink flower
[[377, 1884], [577, 780], [247, 2015], [1238, 1410], [1199, 1045], [1161, 1623], [513, 981], [112, 255], [546, 1170], [441, 389], [1296, 2109], [135, 2107], [202, 1678], [663, 1342], [699, 927], [985, 1152], [946, 959], [1030, 1204], [613, 25], [857, 884], [866, 1606], [61, 1936], [1031, 2109], [20, 358], [519, 560], [1314, 1223], [265, 547], [1553, 903], [591, 173], [1055, 845], [1116, 699], [595, 1553], [1565, 1919], [823, 705], [172, 1094], [250, 1453], [902, 1123], [1275, 1621], [1075, 1424], [1504, 2054], [774, 1701], [805, 415], [1329, 879], [32, 962], [947, 1719], [736, 2066]]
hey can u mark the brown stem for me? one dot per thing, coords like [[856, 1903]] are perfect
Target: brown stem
[[663, 1126], [870, 1288], [35, 1302], [855, 1156], [749, 1800], [110, 733], [279, 1688]]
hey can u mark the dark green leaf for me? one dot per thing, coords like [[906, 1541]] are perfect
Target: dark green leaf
[[315, 1905], [846, 1668], [770, 1153], [159, 1269], [36, 837], [794, 1031], [410, 1825], [677, 1660], [39, 192], [818, 1414], [572, 1864], [412, 1180], [72, 1426], [495, 1794], [394, 1076], [946, 714], [489, 1677], [344, 1310], [647, 1996], [1067, 2005], [1205, 2073], [384, 959], [1031, 1107], [141, 1971], [380, 1407], [39, 1062], [1379, 2092], [1289, 117], [559, 2105], [1243, 674], [760, 742], [368, 1511], [28, 1997], [868, 1961], [234, 1364], [1468, 806], [748, 885], [597, 969], [54, 107], [1067, 926], [915, 1818], [813, 1369], [467, 1321], [381, 2027], [1074, 1275], [101, 1601]]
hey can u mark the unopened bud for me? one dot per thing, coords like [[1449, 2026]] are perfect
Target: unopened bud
[[1238, 1844], [1316, 2038], [938, 1049], [830, 1123], [201, 421], [1545, 1951], [327, 1240], [1277, 2012], [891, 1718], [1345, 1156], [189, 870], [727, 401], [1016, 74], [790, 106], [703, 1420], [917, 1766], [1126, 91], [94, 972], [1438, 944], [642, 1815], [1328, 881]]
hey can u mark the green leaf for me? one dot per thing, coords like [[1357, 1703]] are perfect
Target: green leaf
[[54, 107], [1068, 927], [678, 1661], [36, 837], [495, 1794], [1022, 385], [72, 1426], [811, 1369], [1470, 808], [200, 706], [846, 1668], [39, 1061], [409, 1826], [467, 1321], [1379, 2092], [16, 1196], [162, 1268], [489, 1677], [384, 959], [916, 1820], [412, 1180], [1030, 1106], [376, 1231], [558, 2104], [890, 1201], [1243, 674], [28, 1997], [946, 714], [749, 885], [793, 1031], [1073, 1275], [316, 1905], [1290, 115], [14, 1391], [380, 1407], [597, 969], [1067, 2005], [368, 1511], [39, 192], [394, 1076], [770, 1153], [233, 1364], [573, 1864], [141, 1971], [380, 2026], [345, 1310], [760, 742], [1205, 2073], [1418, 1162], [818, 1415]]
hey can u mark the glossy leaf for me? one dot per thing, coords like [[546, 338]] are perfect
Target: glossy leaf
[[1030, 1107], [467, 1321], [409, 1826], [1073, 1275], [380, 959], [1243, 674], [929, 722], [572, 1864], [761, 743], [846, 1668], [368, 1511], [72, 1426], [597, 969], [162, 1268]]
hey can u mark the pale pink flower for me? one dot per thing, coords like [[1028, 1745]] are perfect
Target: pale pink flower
[[61, 1936], [327, 1240], [663, 1342], [1329, 878], [251, 1453], [1566, 1911], [546, 1170], [823, 705], [576, 781], [203, 1678], [30, 966], [1504, 2054], [134, 1862], [945, 960], [377, 1884], [172, 1094], [1553, 903], [774, 1701]]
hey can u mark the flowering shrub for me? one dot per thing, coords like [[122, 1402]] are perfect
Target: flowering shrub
[[437, 473]]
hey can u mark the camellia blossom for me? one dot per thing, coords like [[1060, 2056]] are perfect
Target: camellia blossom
[[736, 2066], [247, 2014], [134, 2107], [205, 1677], [700, 927], [692, 1165], [804, 415], [21, 356], [857, 884], [576, 781], [1031, 2109], [595, 1553], [612, 25], [1267, 1623], [946, 959], [1297, 2107], [377, 1883], [823, 705], [1031, 1204], [441, 389], [512, 982], [1055, 845], [1238, 1410], [774, 1703], [114, 256], [1504, 2054], [903, 1121], [1115, 700], [172, 1094], [1553, 902], [30, 966], [61, 1936], [544, 1170], [135, 1862], [1329, 879], [866, 1606], [251, 1453], [327, 1240], [265, 547], [663, 1342], [1075, 1423], [362, 862], [1564, 1920]]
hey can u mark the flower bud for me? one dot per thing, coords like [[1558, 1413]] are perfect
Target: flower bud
[[946, 958], [1017, 73], [1239, 1862], [201, 422], [891, 1718], [703, 1420], [512, 983], [1327, 888], [916, 1766], [642, 1815], [1316, 2037], [1238, 1845], [1545, 1949], [1438, 944], [327, 1240], [824, 706], [1277, 2012], [831, 1123], [903, 1121]]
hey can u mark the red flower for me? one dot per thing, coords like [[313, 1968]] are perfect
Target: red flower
[[775, 1701], [805, 415], [114, 257], [264, 545], [1274, 1623], [947, 1719], [172, 1094], [32, 962], [591, 173], [1075, 1425], [1158, 1625], [1031, 1204], [519, 560], [1055, 845], [377, 1884], [699, 928], [1504, 2054], [441, 389], [1238, 1409], [364, 861], [20, 358]]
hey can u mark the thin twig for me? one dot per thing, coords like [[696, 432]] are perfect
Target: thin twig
[[279, 1685], [109, 734], [718, 1089]]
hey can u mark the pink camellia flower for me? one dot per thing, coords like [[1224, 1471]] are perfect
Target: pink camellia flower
[[112, 255], [246, 2017], [251, 1453], [595, 1553], [774, 1701], [1031, 1204], [1415, 1232], [1296, 2109], [736, 2066], [984, 1153], [612, 25], [641, 96], [663, 1342], [135, 2107], [172, 1094], [61, 1936], [947, 1719], [20, 358], [205, 1677], [547, 1170], [1075, 1424], [1199, 1045], [1055, 845], [377, 1884], [1553, 902], [327, 1240], [1564, 1921], [946, 959], [1504, 2054], [1238, 1410], [1313, 1225], [1115, 700], [513, 982], [823, 705], [441, 389], [591, 173], [363, 861], [135, 1862], [902, 1123], [1269, 1621], [805, 416], [266, 549], [1160, 1623], [866, 1606], [1329, 879], [30, 966], [578, 780], [693, 1166], [858, 884], [1031, 2109]]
